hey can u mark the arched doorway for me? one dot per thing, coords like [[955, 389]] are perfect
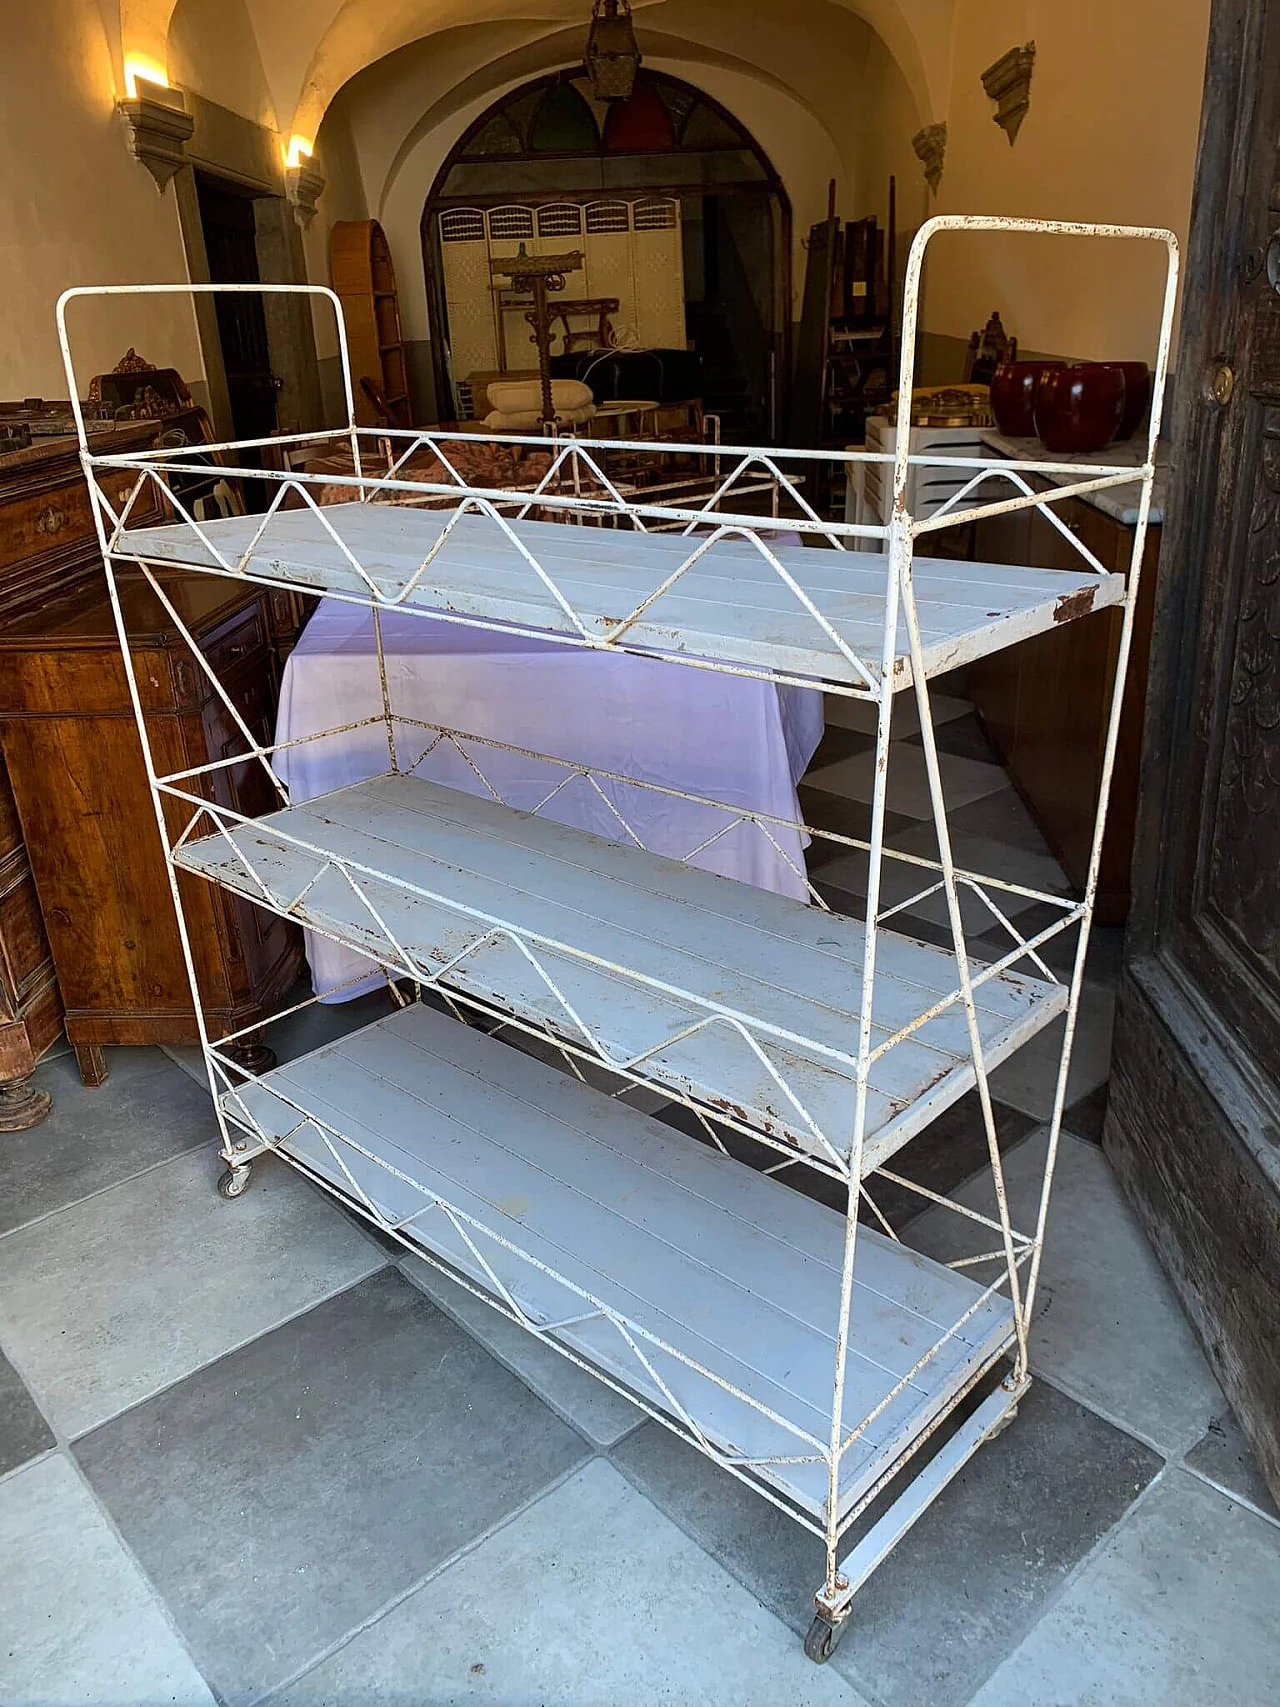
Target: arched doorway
[[678, 212]]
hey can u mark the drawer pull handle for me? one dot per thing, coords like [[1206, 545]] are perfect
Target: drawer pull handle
[[51, 520]]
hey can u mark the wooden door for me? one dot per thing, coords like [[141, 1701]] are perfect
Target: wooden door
[[1194, 1123], [230, 240]]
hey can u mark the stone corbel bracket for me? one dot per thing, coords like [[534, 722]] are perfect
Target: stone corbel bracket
[[302, 186], [930, 145], [157, 125], [1008, 83]]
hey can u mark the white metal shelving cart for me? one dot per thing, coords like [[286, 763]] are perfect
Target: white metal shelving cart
[[809, 1352]]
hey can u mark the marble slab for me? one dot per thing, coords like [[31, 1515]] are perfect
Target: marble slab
[[1119, 502]]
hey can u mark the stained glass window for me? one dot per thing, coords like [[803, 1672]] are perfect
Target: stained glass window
[[564, 124], [499, 136], [641, 125], [706, 129]]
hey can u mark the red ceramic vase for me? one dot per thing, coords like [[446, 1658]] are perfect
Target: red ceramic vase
[[1013, 395], [1137, 394], [1078, 409]]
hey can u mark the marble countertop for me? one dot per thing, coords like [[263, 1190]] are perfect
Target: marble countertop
[[1120, 502]]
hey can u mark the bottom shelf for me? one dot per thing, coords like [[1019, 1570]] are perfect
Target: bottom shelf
[[692, 1257]]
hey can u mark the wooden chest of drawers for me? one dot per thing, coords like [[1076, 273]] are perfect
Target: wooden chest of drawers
[[47, 545], [76, 770]]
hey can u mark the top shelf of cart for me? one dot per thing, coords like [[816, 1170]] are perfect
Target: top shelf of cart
[[735, 598], [399, 526]]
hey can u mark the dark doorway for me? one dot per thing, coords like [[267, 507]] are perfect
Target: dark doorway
[[730, 273], [543, 146], [230, 240]]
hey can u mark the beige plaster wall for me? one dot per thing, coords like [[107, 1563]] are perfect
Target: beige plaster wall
[[213, 51], [343, 198], [76, 208], [1111, 135], [887, 118]]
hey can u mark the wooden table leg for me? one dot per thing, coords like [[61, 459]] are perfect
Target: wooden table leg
[[21, 1103], [92, 1064]]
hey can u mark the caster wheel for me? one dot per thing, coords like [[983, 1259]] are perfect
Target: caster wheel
[[235, 1181], [824, 1638], [1003, 1424]]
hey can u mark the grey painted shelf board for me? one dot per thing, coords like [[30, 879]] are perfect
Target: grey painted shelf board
[[611, 921], [731, 606], [728, 1267]]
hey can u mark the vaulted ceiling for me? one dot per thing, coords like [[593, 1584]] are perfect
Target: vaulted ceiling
[[293, 59]]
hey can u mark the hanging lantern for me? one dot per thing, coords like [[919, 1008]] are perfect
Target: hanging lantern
[[612, 57]]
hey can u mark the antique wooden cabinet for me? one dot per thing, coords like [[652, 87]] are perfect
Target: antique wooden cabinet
[[76, 770], [1043, 703], [47, 545]]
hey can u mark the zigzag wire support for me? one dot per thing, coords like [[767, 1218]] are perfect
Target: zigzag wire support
[[1045, 506], [741, 1023], [404, 963]]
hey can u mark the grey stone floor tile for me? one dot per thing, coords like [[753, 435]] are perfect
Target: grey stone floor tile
[[963, 780], [1177, 1609], [1106, 947], [1002, 817], [81, 1627], [1086, 1118], [594, 1409], [861, 714], [23, 1431], [1109, 1327], [950, 1150], [1223, 1456], [145, 1113], [839, 743], [960, 1589], [981, 853], [590, 1597], [899, 881], [1029, 1078], [963, 737], [112, 1299], [842, 816], [301, 1032], [280, 1496]]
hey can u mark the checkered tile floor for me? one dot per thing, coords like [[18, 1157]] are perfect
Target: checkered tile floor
[[246, 1454]]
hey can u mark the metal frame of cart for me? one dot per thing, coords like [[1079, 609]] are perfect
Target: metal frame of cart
[[810, 1352]]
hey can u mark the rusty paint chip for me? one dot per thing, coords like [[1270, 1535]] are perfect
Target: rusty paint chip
[[1072, 605]]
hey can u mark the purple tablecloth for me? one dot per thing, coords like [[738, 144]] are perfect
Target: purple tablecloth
[[736, 740]]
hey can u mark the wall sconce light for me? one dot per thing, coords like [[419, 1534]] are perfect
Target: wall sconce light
[[157, 123], [139, 67], [303, 181], [612, 57]]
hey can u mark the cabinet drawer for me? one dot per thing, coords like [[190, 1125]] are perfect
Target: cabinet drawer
[[61, 516], [240, 640], [241, 644]]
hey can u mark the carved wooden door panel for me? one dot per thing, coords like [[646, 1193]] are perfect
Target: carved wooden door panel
[[1194, 1122]]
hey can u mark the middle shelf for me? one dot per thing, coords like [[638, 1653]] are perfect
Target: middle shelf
[[743, 1000]]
